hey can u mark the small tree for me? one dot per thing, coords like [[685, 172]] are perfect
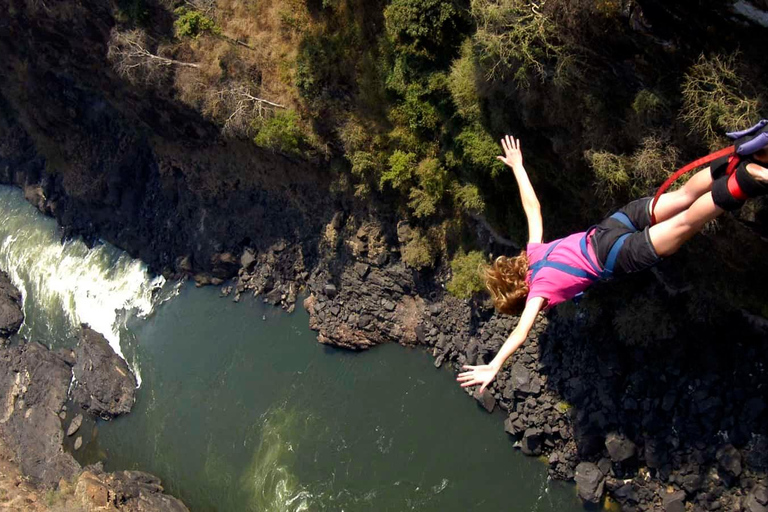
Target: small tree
[[466, 279], [280, 132], [462, 82], [714, 98], [193, 23], [422, 27], [516, 38], [400, 171]]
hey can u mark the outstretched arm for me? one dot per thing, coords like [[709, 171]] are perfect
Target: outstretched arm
[[484, 374], [513, 157]]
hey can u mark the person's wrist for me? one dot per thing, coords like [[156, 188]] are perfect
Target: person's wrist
[[496, 365]]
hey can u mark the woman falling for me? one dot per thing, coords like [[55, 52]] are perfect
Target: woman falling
[[546, 274]]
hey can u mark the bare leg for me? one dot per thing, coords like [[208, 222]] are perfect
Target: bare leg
[[672, 203], [668, 236]]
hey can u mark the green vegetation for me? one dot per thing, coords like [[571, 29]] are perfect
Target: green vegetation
[[610, 171], [418, 252], [466, 280], [647, 102], [714, 98], [191, 23], [280, 132], [422, 27], [517, 39]]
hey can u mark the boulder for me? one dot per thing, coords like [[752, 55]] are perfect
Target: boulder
[[524, 381], [590, 482], [486, 400], [11, 316], [619, 447], [531, 443], [33, 389], [247, 259], [330, 290], [75, 425], [729, 460], [104, 385], [674, 501]]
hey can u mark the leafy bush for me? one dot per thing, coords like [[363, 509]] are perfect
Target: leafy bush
[[516, 38], [467, 198], [462, 84], [416, 112], [422, 27], [646, 102], [417, 251], [400, 171], [433, 182], [281, 132], [714, 100], [480, 150], [466, 279], [191, 23], [651, 164], [610, 171]]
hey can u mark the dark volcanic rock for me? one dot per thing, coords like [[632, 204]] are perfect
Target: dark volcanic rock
[[486, 400], [531, 443], [11, 316], [33, 389], [619, 447], [729, 460], [104, 384], [674, 501], [590, 481]]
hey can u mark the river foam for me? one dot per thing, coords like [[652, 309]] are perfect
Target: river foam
[[101, 286]]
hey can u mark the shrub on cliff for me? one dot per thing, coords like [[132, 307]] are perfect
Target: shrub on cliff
[[466, 279], [417, 252], [400, 170], [716, 98], [462, 83], [422, 27], [192, 23], [610, 172], [433, 183], [467, 198], [280, 132], [515, 38], [480, 150]]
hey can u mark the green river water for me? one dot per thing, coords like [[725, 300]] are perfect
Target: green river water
[[240, 409]]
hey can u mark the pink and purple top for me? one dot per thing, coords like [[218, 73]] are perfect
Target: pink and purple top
[[554, 285]]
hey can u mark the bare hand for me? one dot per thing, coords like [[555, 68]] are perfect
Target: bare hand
[[513, 155], [482, 374]]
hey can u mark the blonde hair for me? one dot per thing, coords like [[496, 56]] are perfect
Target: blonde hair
[[505, 280]]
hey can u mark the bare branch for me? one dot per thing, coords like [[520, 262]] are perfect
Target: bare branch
[[131, 58], [242, 108]]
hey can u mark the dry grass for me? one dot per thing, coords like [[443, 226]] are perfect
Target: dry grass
[[253, 57]]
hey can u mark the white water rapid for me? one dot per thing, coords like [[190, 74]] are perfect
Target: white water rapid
[[73, 284]]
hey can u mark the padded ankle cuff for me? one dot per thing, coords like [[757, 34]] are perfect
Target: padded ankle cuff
[[748, 183], [718, 167], [722, 196]]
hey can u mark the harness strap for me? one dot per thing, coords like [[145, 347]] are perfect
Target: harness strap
[[604, 273], [613, 255]]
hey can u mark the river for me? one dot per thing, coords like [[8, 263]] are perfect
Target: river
[[240, 409]]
